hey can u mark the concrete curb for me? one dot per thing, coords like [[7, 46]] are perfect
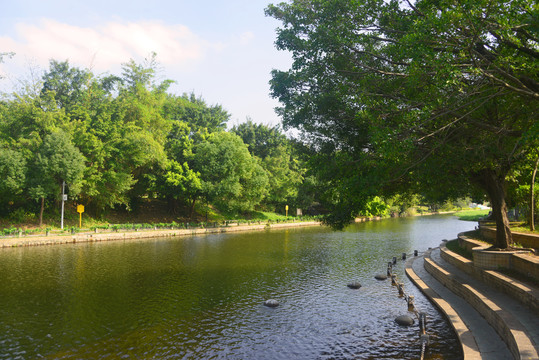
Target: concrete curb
[[134, 235], [508, 327], [467, 341], [521, 292]]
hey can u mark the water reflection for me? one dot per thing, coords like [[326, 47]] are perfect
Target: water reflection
[[202, 297]]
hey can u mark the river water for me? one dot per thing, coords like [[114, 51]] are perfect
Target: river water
[[202, 297]]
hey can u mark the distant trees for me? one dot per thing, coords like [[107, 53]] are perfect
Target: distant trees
[[13, 170], [116, 140], [278, 158], [58, 162], [231, 178]]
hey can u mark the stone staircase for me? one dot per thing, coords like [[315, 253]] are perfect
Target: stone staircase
[[494, 316]]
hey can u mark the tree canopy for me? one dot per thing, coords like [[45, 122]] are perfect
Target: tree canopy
[[232, 178], [117, 140], [429, 96]]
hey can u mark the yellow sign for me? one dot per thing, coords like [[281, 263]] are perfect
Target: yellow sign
[[286, 208], [80, 210]]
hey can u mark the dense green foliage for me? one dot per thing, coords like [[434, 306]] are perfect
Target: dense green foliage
[[438, 98], [117, 140], [278, 157], [400, 106]]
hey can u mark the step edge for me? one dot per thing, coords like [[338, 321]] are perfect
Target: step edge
[[514, 334]]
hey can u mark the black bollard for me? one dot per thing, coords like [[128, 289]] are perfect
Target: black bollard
[[394, 260], [423, 322], [415, 252], [410, 302], [403, 256]]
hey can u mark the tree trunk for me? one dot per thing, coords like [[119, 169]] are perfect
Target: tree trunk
[[192, 211], [172, 204], [532, 200], [494, 185], [41, 211]]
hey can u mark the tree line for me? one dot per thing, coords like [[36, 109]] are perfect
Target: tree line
[[115, 140], [397, 104]]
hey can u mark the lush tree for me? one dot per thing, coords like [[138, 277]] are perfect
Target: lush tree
[[99, 131], [262, 140], [67, 84], [522, 190], [59, 161], [404, 88], [13, 179], [230, 177], [116, 140], [178, 183], [276, 153], [196, 113]]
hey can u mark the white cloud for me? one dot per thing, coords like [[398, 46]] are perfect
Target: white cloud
[[246, 37], [107, 46]]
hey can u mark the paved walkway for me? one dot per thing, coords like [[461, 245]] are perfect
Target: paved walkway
[[479, 338]]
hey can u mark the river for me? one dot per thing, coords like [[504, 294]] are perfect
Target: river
[[202, 297]]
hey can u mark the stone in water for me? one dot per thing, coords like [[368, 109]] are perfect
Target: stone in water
[[404, 320], [271, 303]]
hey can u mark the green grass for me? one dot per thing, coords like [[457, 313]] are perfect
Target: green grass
[[472, 215], [265, 215], [214, 218], [524, 229]]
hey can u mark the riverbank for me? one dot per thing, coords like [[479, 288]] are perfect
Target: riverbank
[[142, 234]]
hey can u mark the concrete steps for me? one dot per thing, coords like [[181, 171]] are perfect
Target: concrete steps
[[490, 323], [477, 338]]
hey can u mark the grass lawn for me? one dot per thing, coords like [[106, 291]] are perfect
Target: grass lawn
[[472, 215], [525, 229]]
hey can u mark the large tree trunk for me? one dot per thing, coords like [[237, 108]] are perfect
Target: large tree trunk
[[494, 185], [532, 198]]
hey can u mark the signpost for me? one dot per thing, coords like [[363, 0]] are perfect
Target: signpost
[[286, 209], [80, 210], [64, 199]]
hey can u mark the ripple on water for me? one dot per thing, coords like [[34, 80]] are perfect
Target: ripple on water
[[203, 298]]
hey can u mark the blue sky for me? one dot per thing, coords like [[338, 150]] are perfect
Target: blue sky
[[221, 50]]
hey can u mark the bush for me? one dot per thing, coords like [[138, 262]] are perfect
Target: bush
[[21, 216]]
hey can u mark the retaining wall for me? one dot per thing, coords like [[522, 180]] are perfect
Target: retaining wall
[[526, 240], [523, 262], [145, 234], [524, 293]]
